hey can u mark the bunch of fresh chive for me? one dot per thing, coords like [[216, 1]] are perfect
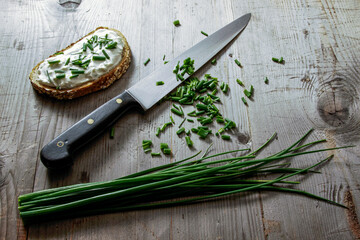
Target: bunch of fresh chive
[[186, 67], [182, 182]]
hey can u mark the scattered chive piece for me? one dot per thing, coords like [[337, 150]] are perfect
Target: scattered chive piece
[[105, 54], [204, 33], [251, 90], [172, 120], [59, 71], [225, 137], [177, 112], [159, 83], [155, 154], [247, 93], [213, 61], [239, 82], [238, 63], [147, 61], [176, 23], [266, 80], [164, 126], [111, 45], [190, 120], [182, 123], [99, 58], [77, 71], [58, 53], [188, 141], [165, 62], [157, 131], [244, 100], [180, 131], [53, 61], [67, 61], [281, 60], [167, 151], [164, 57], [112, 132], [146, 144], [163, 146], [74, 76], [59, 76]]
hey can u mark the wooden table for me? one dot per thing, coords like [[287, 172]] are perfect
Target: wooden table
[[317, 87]]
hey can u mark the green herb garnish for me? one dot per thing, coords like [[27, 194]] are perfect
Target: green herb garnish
[[53, 61], [176, 23], [147, 61], [98, 58], [204, 33], [105, 54], [238, 63], [159, 83]]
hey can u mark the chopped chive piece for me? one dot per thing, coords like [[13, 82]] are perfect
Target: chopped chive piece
[[176, 23], [180, 131], [225, 137], [266, 81], [239, 82], [247, 93], [165, 62], [59, 71], [164, 57], [157, 131], [53, 61], [59, 76], [67, 61], [112, 132], [163, 146], [244, 100], [77, 71], [238, 63], [190, 120], [164, 126], [159, 83], [111, 45], [147, 61], [74, 76], [204, 33], [281, 60], [58, 53], [225, 88], [177, 112], [172, 120], [188, 141], [105, 54], [182, 123], [99, 58], [146, 144], [251, 89], [179, 76], [167, 151], [213, 61], [155, 154], [177, 67]]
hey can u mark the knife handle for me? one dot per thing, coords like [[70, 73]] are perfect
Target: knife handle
[[59, 152]]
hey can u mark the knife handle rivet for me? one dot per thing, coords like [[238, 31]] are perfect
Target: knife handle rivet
[[60, 144], [90, 121], [118, 100]]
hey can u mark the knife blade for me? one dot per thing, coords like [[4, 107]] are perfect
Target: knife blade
[[143, 95]]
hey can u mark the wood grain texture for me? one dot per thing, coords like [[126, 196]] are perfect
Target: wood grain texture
[[317, 87]]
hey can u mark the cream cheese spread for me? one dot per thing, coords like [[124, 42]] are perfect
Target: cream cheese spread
[[85, 61]]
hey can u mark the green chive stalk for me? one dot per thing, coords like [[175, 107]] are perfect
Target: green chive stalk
[[191, 180]]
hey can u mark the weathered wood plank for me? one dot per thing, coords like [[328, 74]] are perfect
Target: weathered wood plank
[[317, 87]]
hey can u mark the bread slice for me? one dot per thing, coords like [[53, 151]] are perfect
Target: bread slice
[[101, 82]]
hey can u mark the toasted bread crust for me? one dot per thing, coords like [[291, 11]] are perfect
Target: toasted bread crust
[[102, 82]]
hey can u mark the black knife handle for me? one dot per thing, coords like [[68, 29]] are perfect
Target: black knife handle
[[59, 152]]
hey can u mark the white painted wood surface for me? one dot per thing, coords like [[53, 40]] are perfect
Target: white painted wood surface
[[317, 87]]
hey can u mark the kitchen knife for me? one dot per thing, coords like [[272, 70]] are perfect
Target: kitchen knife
[[143, 95]]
